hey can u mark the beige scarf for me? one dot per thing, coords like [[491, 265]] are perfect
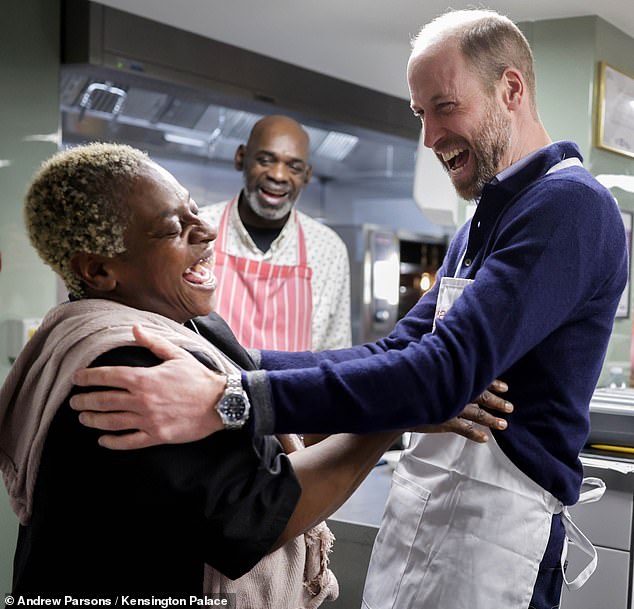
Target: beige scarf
[[294, 577], [70, 337]]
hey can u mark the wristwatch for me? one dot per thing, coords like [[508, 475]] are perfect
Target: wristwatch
[[234, 406]]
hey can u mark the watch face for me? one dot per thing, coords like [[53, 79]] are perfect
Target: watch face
[[233, 407]]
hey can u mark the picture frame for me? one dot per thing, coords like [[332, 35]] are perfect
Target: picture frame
[[615, 110], [623, 309]]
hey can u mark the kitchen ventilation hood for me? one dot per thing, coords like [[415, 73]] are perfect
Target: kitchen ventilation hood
[[126, 78]]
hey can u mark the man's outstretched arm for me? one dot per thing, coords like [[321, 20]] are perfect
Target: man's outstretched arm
[[175, 401]]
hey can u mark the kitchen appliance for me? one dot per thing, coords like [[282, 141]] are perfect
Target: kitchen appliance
[[612, 418], [389, 271], [177, 94]]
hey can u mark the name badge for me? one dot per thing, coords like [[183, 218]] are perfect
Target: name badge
[[450, 290]]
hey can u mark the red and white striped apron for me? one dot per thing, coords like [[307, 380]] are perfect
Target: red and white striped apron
[[268, 306]]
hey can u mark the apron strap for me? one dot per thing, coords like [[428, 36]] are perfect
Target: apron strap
[[459, 266], [576, 537], [573, 161], [222, 225], [302, 258]]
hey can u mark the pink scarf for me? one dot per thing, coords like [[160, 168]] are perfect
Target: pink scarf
[[71, 336]]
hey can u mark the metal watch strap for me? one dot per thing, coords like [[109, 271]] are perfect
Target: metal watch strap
[[234, 383], [233, 391]]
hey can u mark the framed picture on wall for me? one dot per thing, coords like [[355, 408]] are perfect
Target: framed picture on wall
[[623, 310], [615, 111]]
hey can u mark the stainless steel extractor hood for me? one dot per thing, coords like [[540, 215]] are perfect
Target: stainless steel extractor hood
[[126, 78]]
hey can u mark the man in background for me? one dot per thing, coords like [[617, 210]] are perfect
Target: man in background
[[284, 278]]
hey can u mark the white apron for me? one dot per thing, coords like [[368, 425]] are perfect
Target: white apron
[[463, 527], [268, 306]]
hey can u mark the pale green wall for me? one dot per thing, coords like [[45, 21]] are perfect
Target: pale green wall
[[567, 54], [613, 46], [564, 65], [29, 74]]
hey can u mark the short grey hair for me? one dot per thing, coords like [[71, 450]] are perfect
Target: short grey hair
[[490, 42], [77, 202]]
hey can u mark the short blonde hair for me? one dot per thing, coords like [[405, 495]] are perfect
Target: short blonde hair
[[77, 202], [490, 42]]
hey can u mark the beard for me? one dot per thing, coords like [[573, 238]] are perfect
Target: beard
[[268, 212], [489, 145]]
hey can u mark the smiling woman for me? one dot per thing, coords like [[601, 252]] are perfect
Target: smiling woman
[[125, 237], [165, 266], [127, 240]]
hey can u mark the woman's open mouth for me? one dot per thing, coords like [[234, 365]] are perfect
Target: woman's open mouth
[[201, 272]]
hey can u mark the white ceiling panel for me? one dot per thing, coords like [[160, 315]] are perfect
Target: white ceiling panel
[[362, 41]]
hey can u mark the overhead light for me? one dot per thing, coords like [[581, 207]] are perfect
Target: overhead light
[[337, 146], [55, 137], [426, 282], [185, 140], [5, 163]]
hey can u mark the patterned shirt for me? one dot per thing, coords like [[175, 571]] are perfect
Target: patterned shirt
[[327, 257]]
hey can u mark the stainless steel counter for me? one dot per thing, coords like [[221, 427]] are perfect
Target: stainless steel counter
[[355, 525], [612, 417], [366, 504]]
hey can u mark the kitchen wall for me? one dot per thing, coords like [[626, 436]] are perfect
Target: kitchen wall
[[567, 54], [614, 47], [29, 51]]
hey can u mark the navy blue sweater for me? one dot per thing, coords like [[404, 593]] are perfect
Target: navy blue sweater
[[548, 255]]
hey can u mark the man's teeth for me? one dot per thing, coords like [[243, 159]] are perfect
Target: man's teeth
[[447, 156]]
